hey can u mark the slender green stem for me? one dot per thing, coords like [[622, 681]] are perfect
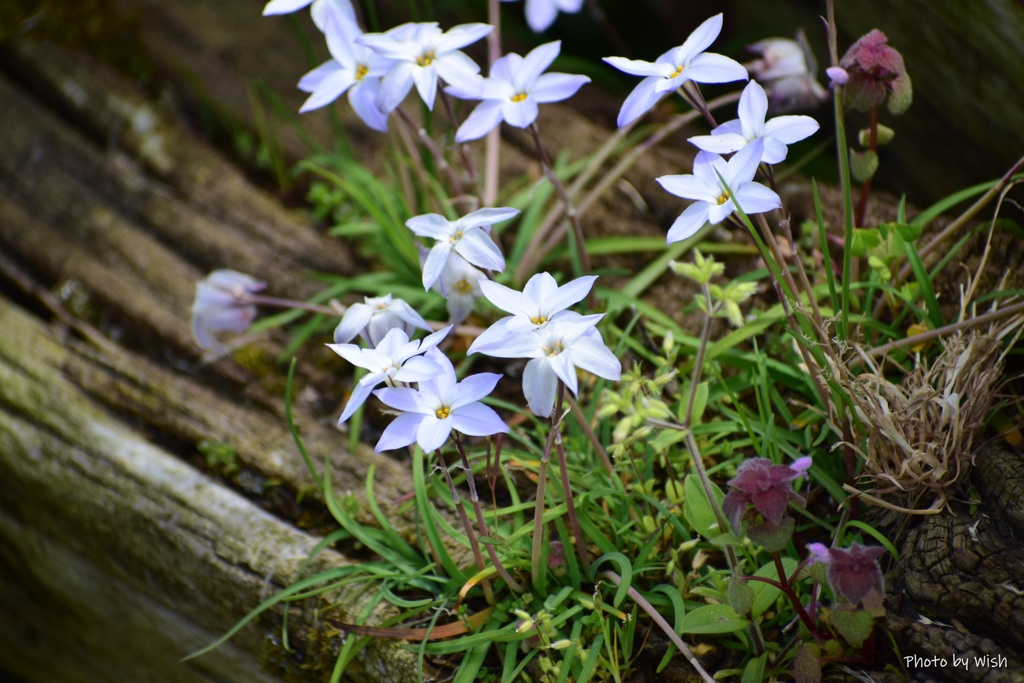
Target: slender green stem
[[588, 431], [474, 545], [570, 503], [492, 150], [435, 152], [538, 573], [865, 187], [844, 176], [480, 520]]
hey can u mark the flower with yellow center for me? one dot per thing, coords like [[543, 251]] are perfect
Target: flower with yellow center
[[717, 187], [673, 69], [467, 236], [513, 90], [439, 405]]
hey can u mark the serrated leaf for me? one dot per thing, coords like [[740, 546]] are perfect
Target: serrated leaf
[[853, 625], [863, 165], [712, 619], [806, 667], [697, 510]]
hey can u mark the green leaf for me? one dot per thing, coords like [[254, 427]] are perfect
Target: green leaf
[[766, 594], [741, 595], [713, 619], [698, 511], [863, 165], [807, 668], [753, 672], [854, 625]]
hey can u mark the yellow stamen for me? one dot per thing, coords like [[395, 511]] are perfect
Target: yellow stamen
[[463, 286], [554, 349], [426, 59], [443, 412], [538, 320], [519, 97], [361, 71], [678, 72], [456, 237]]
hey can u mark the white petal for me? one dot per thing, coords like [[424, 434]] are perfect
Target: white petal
[[689, 222], [568, 294], [492, 334], [540, 14], [690, 187], [402, 398], [752, 109], [507, 299], [790, 129], [637, 67], [487, 217], [535, 62], [539, 386], [742, 167], [459, 70], [476, 419], [417, 369], [430, 225], [520, 114], [474, 388], [284, 6], [425, 78], [775, 151], [639, 102], [363, 99], [395, 85], [311, 81], [712, 68], [480, 122], [329, 89], [359, 395], [701, 38], [434, 264], [432, 432], [590, 353], [563, 368], [461, 36], [557, 87], [477, 247], [400, 433], [756, 198], [356, 318], [719, 143]]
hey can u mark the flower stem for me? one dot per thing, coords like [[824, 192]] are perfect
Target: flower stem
[[865, 187], [467, 525], [787, 588], [574, 521], [537, 571], [492, 151], [439, 158], [480, 520]]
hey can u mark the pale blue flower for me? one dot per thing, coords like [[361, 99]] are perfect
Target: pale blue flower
[[670, 71], [223, 304], [540, 301], [734, 135], [422, 53], [395, 359], [566, 342], [459, 284], [540, 14], [717, 186], [373, 319], [439, 405], [514, 89], [353, 68], [319, 9], [467, 236]]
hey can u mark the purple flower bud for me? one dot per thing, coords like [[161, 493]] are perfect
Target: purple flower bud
[[223, 304], [764, 486], [837, 76], [876, 75], [854, 572]]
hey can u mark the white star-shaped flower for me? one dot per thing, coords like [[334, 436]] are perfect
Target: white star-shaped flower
[[353, 68], [438, 406], [734, 135], [514, 89], [422, 53], [468, 237], [374, 318], [394, 359], [670, 71], [717, 186]]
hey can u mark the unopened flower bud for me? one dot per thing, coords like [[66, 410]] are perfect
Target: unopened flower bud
[[223, 304]]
